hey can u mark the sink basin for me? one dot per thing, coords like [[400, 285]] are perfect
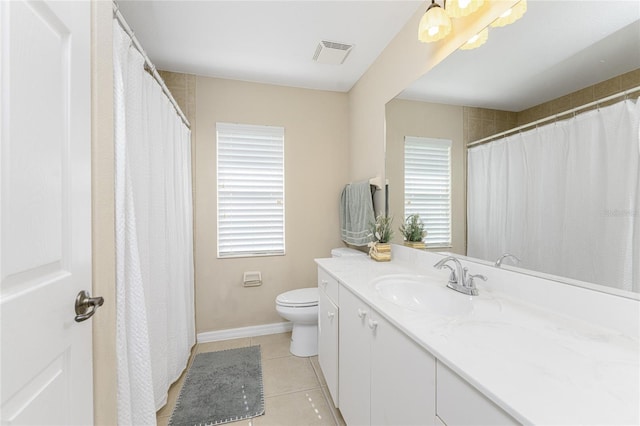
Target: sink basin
[[423, 294]]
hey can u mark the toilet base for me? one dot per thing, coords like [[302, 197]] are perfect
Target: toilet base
[[304, 340]]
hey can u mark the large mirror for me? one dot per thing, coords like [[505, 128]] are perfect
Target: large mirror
[[559, 56]]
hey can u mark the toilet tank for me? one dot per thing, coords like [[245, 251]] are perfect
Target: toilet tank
[[346, 251]]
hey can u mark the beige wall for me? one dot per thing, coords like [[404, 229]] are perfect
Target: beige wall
[[411, 118], [403, 61], [316, 169], [103, 219], [482, 122], [183, 90], [581, 97]]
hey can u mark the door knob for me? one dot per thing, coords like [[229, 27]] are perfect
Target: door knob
[[362, 313], [86, 305]]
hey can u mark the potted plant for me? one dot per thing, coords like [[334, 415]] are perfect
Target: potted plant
[[413, 231], [381, 231]]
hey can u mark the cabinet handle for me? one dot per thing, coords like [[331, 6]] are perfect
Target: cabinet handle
[[324, 283], [330, 315], [362, 313], [373, 324]]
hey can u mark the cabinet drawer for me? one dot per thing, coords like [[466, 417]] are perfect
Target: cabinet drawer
[[459, 403], [329, 285]]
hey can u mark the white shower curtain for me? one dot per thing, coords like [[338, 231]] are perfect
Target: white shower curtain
[[564, 198], [154, 239]]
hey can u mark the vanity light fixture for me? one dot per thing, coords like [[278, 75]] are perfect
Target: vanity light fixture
[[511, 15], [461, 8], [436, 21], [435, 24], [477, 40]]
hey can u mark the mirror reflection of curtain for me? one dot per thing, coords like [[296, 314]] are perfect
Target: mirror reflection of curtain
[[564, 197]]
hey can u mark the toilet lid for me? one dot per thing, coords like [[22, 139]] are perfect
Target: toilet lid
[[300, 297]]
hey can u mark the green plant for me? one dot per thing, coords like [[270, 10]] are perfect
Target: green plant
[[381, 229], [413, 228]]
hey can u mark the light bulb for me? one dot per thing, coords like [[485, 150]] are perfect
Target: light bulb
[[460, 8], [511, 15], [477, 40], [434, 25]]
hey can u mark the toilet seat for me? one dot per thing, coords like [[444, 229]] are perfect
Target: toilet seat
[[300, 298]]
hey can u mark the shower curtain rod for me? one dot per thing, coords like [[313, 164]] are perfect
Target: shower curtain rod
[[551, 117], [152, 68]]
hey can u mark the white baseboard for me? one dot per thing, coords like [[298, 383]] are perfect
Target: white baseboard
[[236, 333]]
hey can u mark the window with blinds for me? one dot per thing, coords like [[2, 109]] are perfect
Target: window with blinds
[[427, 186], [250, 171]]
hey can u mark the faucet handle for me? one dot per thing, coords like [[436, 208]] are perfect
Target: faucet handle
[[470, 278]]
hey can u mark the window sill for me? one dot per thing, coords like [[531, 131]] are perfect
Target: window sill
[[245, 255]]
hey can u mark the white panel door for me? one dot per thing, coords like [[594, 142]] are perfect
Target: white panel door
[[45, 212]]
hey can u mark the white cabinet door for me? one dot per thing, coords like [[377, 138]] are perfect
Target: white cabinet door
[[459, 403], [354, 359], [45, 209], [403, 386], [328, 320], [385, 378]]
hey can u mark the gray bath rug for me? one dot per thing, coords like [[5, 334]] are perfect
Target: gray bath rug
[[221, 387]]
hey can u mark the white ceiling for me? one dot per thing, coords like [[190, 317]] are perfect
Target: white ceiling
[[266, 41], [558, 47]]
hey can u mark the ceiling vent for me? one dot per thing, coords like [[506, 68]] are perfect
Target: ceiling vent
[[332, 53]]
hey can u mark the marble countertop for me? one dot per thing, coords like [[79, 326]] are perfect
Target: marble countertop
[[540, 366]]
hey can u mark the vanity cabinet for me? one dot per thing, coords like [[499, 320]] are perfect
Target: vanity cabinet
[[384, 378], [454, 392], [328, 320]]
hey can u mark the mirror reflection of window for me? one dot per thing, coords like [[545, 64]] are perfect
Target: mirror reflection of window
[[427, 186]]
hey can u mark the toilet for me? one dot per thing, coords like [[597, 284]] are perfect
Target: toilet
[[301, 308]]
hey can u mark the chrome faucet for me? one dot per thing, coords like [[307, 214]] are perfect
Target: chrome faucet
[[504, 256], [459, 278], [456, 274]]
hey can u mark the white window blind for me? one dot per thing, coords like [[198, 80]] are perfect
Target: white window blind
[[427, 186], [250, 167]]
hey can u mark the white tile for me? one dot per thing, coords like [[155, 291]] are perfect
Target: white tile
[[273, 345], [295, 409], [286, 375]]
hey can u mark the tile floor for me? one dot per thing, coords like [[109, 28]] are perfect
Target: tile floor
[[295, 391]]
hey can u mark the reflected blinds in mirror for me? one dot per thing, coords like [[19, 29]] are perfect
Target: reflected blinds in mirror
[[427, 186]]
